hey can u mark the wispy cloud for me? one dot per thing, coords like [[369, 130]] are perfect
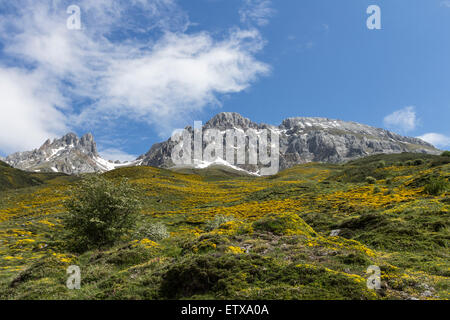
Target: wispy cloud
[[147, 68], [403, 120], [256, 12], [436, 139], [182, 73], [445, 3]]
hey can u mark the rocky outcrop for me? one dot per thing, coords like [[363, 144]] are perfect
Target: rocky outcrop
[[68, 154]]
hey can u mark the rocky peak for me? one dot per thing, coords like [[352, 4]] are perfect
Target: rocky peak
[[68, 154], [69, 139], [87, 141], [229, 120], [46, 143]]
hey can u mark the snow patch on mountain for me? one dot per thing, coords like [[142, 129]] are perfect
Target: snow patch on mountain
[[220, 162]]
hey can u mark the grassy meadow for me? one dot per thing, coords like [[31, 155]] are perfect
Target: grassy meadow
[[232, 236]]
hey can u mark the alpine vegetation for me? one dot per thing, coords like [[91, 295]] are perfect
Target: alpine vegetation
[[100, 213]]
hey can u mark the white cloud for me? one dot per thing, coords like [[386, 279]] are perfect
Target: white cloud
[[256, 11], [116, 154], [181, 74], [29, 112], [445, 3], [156, 80], [436, 139], [403, 120]]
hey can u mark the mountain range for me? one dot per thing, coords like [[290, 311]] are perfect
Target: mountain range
[[302, 140]]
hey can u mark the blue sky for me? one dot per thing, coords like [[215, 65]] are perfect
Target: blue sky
[[139, 69]]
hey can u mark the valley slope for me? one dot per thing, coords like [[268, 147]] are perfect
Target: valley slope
[[275, 244]]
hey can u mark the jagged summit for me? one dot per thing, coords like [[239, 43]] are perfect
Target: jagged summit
[[229, 120], [68, 154], [71, 140]]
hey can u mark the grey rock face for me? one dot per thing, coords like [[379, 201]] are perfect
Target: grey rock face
[[68, 154], [230, 120], [305, 140]]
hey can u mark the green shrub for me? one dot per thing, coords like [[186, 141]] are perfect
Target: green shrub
[[251, 276], [436, 186], [212, 274], [205, 243], [217, 221], [154, 231], [418, 162], [381, 164], [127, 255], [357, 258], [46, 266], [100, 212], [283, 224], [445, 154], [371, 180], [409, 163]]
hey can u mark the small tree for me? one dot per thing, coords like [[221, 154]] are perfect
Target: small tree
[[445, 154], [100, 212]]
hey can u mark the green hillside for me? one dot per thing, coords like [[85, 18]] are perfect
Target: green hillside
[[244, 237], [11, 178], [214, 172]]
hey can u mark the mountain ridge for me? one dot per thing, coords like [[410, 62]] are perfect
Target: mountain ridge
[[68, 154], [302, 140], [306, 139]]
